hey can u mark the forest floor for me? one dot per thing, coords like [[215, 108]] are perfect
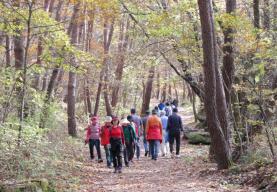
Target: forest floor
[[191, 172]]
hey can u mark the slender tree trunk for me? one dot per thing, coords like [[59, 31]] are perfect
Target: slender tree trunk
[[266, 10], [256, 12], [158, 86], [164, 93], [19, 57], [122, 48], [87, 96], [72, 79], [228, 50], [148, 91], [107, 35], [221, 148], [40, 51], [8, 51]]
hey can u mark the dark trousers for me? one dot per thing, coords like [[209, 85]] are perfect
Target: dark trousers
[[108, 154], [174, 136], [128, 152], [116, 150], [96, 143]]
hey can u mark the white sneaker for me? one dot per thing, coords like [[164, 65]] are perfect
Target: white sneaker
[[178, 156]]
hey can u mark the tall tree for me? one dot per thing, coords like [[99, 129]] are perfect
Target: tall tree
[[228, 50], [71, 93], [256, 12], [266, 19], [122, 48], [107, 38], [221, 148], [148, 91]]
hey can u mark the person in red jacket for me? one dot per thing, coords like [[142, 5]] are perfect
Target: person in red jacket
[[154, 131], [117, 142], [105, 139]]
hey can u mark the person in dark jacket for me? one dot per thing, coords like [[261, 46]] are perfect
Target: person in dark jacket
[[174, 128]]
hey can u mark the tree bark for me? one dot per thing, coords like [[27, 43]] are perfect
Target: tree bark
[[122, 48], [71, 94], [256, 12], [107, 38], [266, 19], [221, 148], [8, 51], [228, 50], [148, 91]]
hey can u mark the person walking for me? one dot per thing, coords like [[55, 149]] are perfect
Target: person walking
[[105, 139], [174, 128], [138, 124], [117, 142], [145, 142], [154, 133], [168, 109], [165, 144], [130, 138], [161, 106], [93, 138]]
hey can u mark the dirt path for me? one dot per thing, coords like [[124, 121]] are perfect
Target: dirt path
[[191, 172]]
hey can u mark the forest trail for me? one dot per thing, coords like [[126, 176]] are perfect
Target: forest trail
[[191, 172]]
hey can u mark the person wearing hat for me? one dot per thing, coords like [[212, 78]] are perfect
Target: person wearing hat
[[105, 139], [130, 138], [93, 138], [117, 142], [154, 133]]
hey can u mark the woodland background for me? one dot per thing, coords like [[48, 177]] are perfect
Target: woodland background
[[61, 60]]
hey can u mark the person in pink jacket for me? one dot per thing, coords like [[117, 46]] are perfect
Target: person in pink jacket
[[93, 138], [154, 134]]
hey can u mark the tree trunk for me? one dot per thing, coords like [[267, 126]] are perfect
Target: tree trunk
[[40, 50], [87, 96], [158, 86], [107, 38], [19, 57], [256, 12], [164, 93], [228, 50], [266, 11], [8, 51], [148, 91], [122, 48], [71, 94], [221, 148]]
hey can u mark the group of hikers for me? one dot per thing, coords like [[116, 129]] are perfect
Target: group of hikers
[[122, 137]]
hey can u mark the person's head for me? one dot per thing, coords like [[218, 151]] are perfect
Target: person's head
[[94, 120], [130, 118], [108, 120], [115, 120], [162, 113], [156, 108], [147, 113], [154, 112], [133, 111], [124, 122], [175, 110], [167, 104]]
